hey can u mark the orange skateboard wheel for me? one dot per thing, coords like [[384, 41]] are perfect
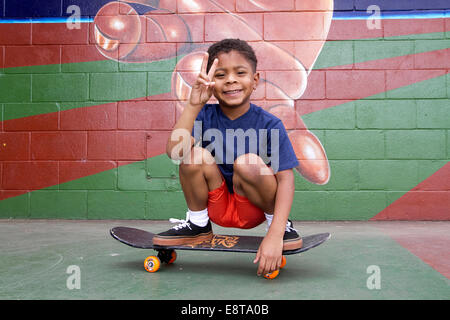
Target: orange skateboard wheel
[[283, 262], [173, 257], [272, 275], [152, 264]]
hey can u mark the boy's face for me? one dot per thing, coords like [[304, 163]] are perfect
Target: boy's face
[[235, 80]]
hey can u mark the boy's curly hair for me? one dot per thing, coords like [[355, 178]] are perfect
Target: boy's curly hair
[[227, 45]]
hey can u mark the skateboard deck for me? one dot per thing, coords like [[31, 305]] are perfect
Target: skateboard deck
[[138, 238]]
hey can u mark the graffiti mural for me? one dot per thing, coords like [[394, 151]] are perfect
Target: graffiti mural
[[130, 32], [90, 90]]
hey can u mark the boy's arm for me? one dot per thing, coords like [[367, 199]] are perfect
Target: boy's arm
[[270, 251], [180, 139]]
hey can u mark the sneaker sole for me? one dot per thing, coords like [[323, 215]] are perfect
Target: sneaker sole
[[179, 241], [293, 244]]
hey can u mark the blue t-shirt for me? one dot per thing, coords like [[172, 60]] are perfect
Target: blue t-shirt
[[257, 131]]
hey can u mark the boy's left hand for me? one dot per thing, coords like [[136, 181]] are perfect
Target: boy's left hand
[[269, 254]]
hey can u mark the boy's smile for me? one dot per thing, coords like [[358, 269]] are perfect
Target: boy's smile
[[235, 81]]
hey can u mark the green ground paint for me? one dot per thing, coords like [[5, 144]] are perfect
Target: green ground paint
[[35, 257]]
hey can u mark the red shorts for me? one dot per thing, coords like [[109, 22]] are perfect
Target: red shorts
[[233, 210]]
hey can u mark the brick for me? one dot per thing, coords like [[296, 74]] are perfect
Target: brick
[[135, 176], [320, 5], [436, 54], [447, 81], [418, 205], [2, 65], [14, 204], [344, 177], [290, 83], [336, 54], [15, 88], [30, 116], [58, 204], [341, 117], [58, 145], [329, 205], [87, 175], [434, 175], [310, 28], [355, 84], [354, 144], [388, 174], [433, 114], [116, 205], [29, 175], [353, 30], [315, 88], [83, 58], [448, 144], [131, 145], [159, 57], [355, 205], [26, 9], [169, 5], [20, 56], [204, 6], [161, 167], [132, 177], [118, 86], [162, 204], [306, 107], [53, 87], [156, 143], [415, 144], [386, 114], [15, 33], [14, 146], [102, 145], [447, 28], [58, 33], [249, 27], [404, 29], [89, 8], [280, 53], [386, 5], [100, 117], [159, 83], [196, 25], [410, 84], [250, 6], [166, 28], [377, 50], [146, 115]]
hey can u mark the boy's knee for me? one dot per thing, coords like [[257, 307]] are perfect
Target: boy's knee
[[250, 165], [197, 157]]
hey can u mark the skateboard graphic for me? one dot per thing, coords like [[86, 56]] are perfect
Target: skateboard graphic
[[138, 238]]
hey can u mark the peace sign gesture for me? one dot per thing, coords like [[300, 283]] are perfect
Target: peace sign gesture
[[203, 87]]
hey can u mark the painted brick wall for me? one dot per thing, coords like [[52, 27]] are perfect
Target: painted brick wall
[[88, 96]]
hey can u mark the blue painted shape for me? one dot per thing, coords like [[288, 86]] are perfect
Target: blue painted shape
[[87, 7], [386, 5], [32, 8], [340, 5]]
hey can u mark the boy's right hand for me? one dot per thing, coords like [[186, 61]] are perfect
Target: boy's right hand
[[203, 87]]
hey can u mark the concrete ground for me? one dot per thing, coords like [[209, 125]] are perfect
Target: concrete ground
[[72, 259]]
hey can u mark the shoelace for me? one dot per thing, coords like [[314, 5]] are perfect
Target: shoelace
[[182, 223], [289, 228]]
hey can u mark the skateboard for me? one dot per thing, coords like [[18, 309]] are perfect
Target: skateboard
[[138, 238]]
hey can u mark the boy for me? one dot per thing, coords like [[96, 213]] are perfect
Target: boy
[[229, 182]]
